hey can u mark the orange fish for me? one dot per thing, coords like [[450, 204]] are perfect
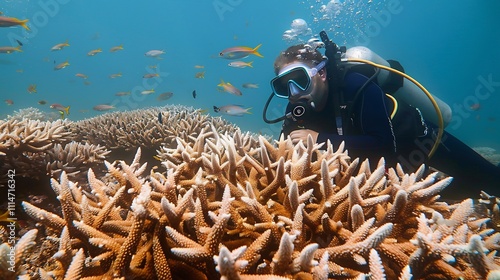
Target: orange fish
[[475, 106], [83, 76], [10, 21]]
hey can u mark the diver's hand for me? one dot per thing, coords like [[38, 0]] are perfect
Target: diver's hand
[[301, 134]]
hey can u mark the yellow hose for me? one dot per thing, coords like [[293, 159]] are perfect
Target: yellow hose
[[434, 103]]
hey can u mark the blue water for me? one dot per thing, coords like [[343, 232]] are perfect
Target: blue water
[[451, 47]]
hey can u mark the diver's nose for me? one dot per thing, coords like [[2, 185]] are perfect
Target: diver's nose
[[293, 89]]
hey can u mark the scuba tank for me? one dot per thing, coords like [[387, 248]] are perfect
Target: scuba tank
[[408, 92]]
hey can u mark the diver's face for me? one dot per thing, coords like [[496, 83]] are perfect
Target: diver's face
[[315, 93]]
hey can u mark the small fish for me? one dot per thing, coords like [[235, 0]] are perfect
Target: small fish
[[250, 85], [62, 114], [475, 106], [145, 92], [9, 102], [194, 94], [87, 83], [150, 75], [153, 66], [122, 93], [199, 66], [60, 46], [32, 88], [154, 53], [83, 76], [117, 48], [228, 87], [160, 118], [10, 21], [59, 107], [20, 71], [61, 65], [19, 43], [10, 49], [232, 110], [42, 102], [94, 52], [200, 75], [103, 107], [117, 75], [240, 64], [239, 52], [165, 96]]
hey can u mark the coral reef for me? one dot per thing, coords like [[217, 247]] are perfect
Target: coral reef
[[141, 128], [231, 207], [32, 113], [36, 148], [23, 144]]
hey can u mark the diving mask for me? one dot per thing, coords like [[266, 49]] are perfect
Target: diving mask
[[295, 80]]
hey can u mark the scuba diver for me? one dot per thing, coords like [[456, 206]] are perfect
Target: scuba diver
[[355, 96]]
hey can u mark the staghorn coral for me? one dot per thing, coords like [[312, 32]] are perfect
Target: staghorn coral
[[35, 148], [74, 158], [228, 210], [23, 144], [141, 128], [32, 113]]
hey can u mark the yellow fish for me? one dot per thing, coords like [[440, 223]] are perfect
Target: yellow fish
[[240, 64], [239, 52], [60, 46], [10, 21], [228, 87], [10, 49], [61, 108], [32, 88], [199, 66], [61, 65], [94, 52], [117, 48], [200, 75], [146, 92], [117, 75]]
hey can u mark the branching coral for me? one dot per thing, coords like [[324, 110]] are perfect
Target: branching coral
[[141, 128], [32, 113], [34, 148], [227, 209], [23, 144]]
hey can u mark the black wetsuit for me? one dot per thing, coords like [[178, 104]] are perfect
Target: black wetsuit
[[370, 135]]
